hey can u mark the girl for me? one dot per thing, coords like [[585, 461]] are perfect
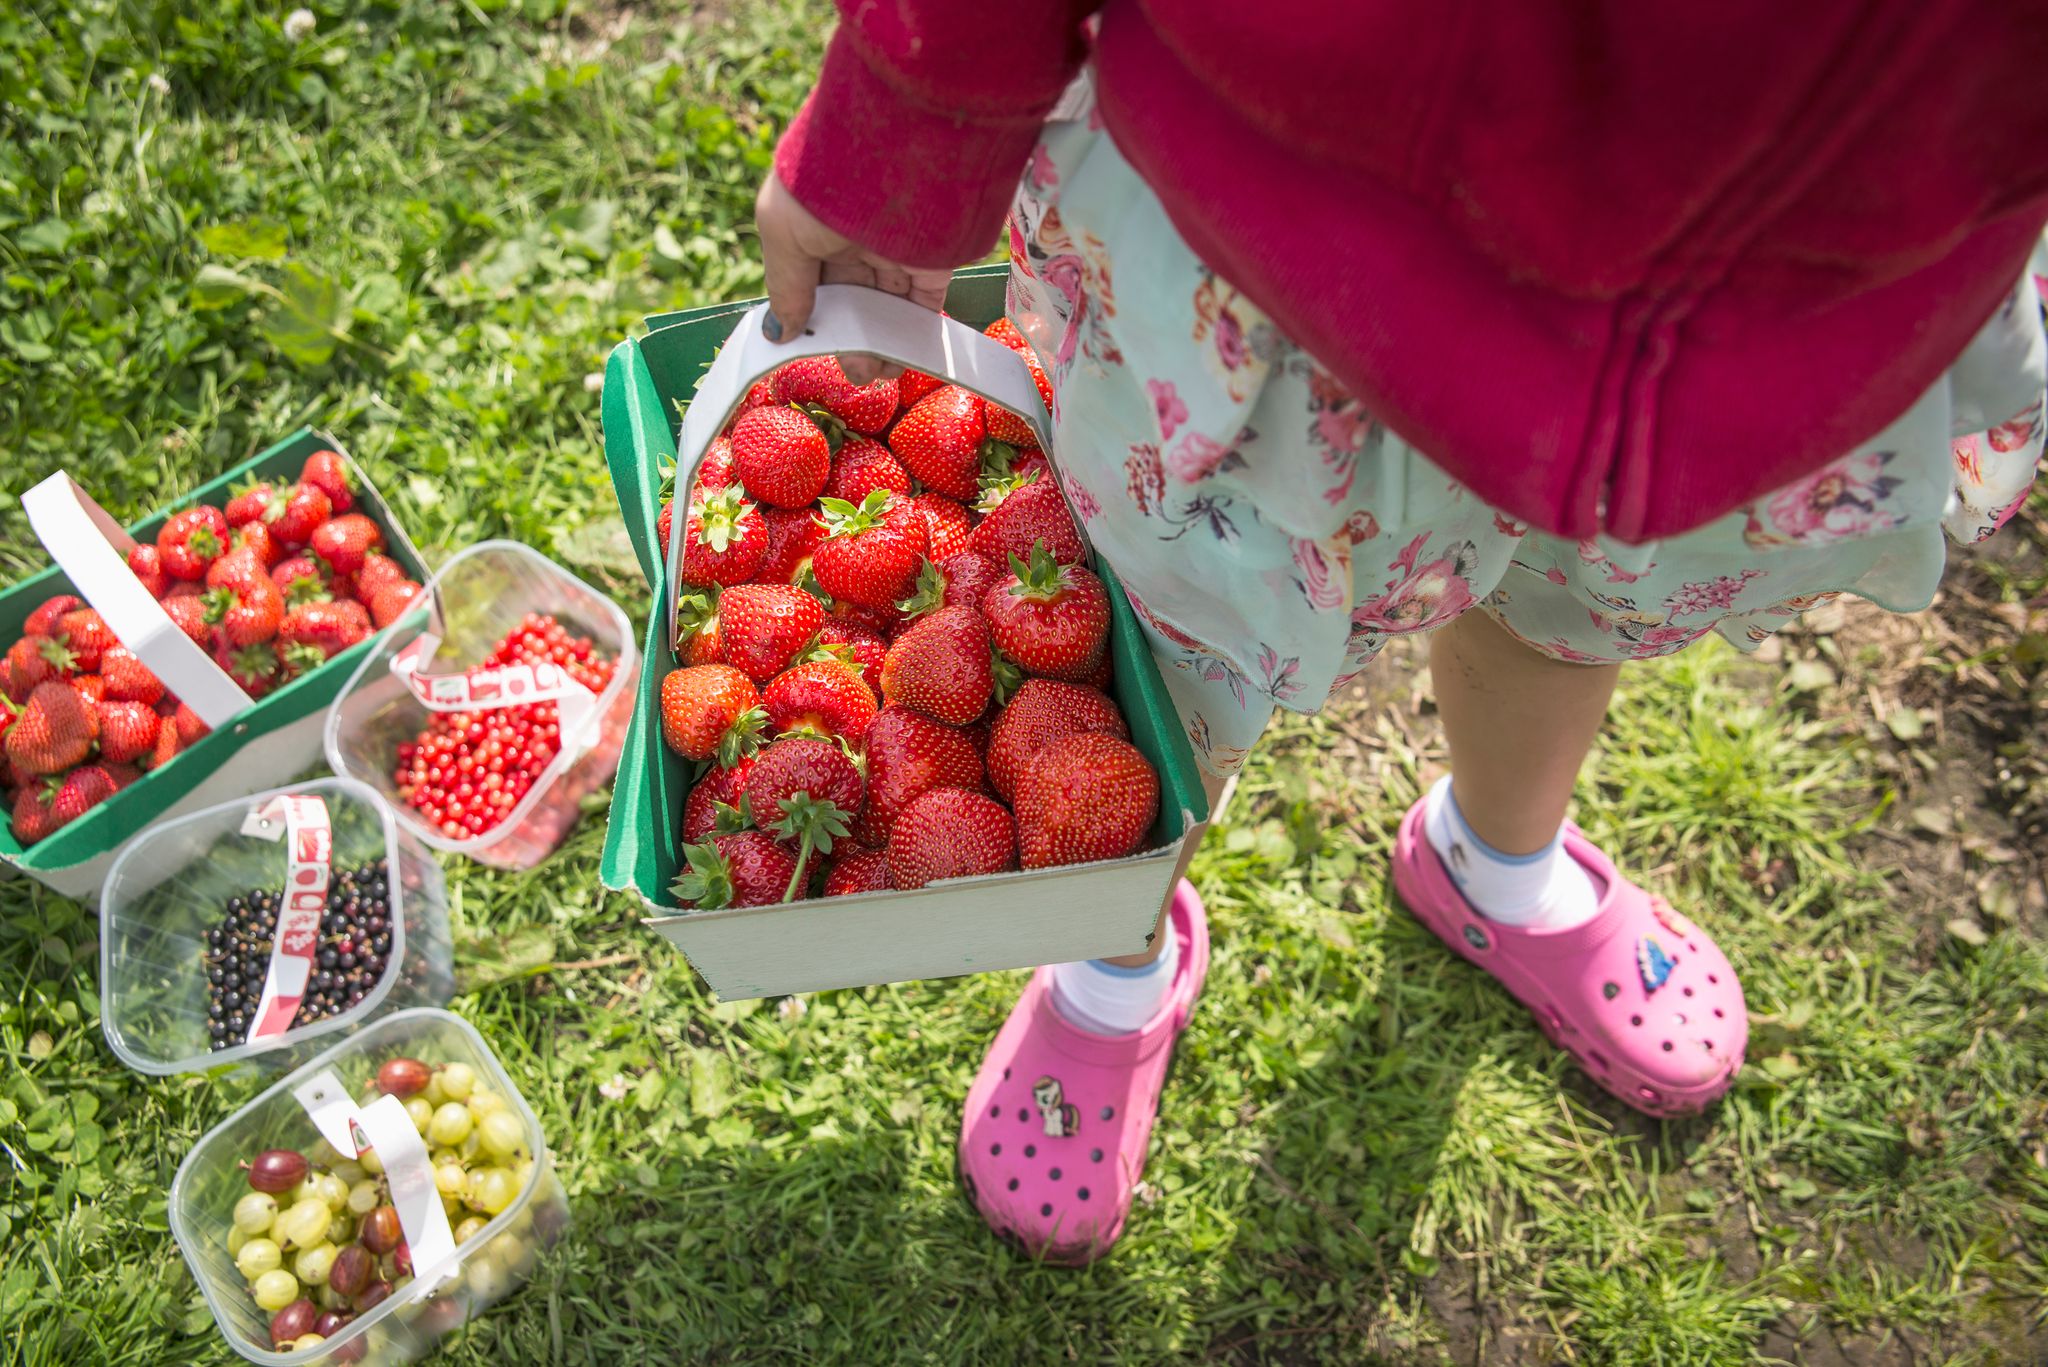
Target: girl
[[1570, 337]]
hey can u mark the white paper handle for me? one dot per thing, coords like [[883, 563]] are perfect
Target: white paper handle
[[384, 1126], [309, 866], [847, 318], [92, 550]]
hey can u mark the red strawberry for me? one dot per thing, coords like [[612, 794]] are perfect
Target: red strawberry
[[855, 645], [328, 472], [55, 730], [665, 525], [716, 470], [167, 746], [378, 571], [960, 582], [1043, 711], [93, 689], [42, 621], [1082, 798], [710, 712], [942, 666], [913, 385], [759, 394], [188, 612], [257, 538], [1051, 619], [303, 509], [805, 790], [724, 539], [87, 636], [1009, 429], [717, 804], [950, 833], [188, 725], [31, 816], [871, 553], [824, 697], [146, 563], [83, 789], [33, 660], [246, 611], [745, 869], [251, 502], [346, 542], [1104, 675], [191, 541], [908, 753], [252, 667], [1023, 516], [949, 524], [867, 408], [311, 635], [128, 730], [781, 456], [302, 578], [762, 627], [390, 602], [697, 634], [856, 870], [862, 467], [121, 774], [939, 441], [817, 381], [1004, 331], [794, 534], [128, 678]]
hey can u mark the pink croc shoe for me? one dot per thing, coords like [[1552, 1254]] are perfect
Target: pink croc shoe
[[1643, 999], [1058, 1119]]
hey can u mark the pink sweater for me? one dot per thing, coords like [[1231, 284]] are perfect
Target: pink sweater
[[1616, 266]]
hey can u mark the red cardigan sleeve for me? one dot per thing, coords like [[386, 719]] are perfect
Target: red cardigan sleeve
[[924, 112]]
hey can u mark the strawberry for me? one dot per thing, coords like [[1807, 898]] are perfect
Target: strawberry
[[311, 635], [251, 502], [328, 472], [806, 790], [191, 541], [1021, 517], [188, 613], [820, 697], [762, 627], [390, 602], [1043, 711], [717, 805], [724, 539], [855, 645], [1051, 619], [818, 382], [884, 622], [258, 539], [187, 723], [871, 553], [942, 666], [908, 753], [866, 409], [857, 870], [794, 534], [31, 816], [711, 712], [1084, 797], [42, 621], [697, 634], [950, 833], [83, 789], [128, 730], [940, 441], [346, 542], [665, 525], [301, 577], [121, 774], [235, 569], [55, 730], [252, 667], [146, 563], [1104, 675], [246, 611], [913, 385], [1008, 429], [862, 467], [167, 746], [744, 869], [949, 523], [299, 513], [93, 689], [378, 571], [1006, 467], [759, 394], [781, 456], [128, 678], [717, 470], [960, 582], [33, 660], [1004, 331]]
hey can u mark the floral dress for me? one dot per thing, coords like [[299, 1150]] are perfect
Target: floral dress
[[1273, 534]]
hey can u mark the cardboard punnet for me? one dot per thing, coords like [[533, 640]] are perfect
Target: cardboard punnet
[[969, 925], [225, 763]]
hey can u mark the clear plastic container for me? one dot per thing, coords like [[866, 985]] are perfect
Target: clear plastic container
[[169, 886], [478, 597], [485, 1268]]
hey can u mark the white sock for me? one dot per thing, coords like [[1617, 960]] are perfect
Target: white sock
[[1549, 888], [1110, 999]]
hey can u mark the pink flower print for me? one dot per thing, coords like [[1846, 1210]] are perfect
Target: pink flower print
[[1507, 526], [1343, 427], [1560, 649], [1081, 500], [1665, 639], [1229, 340], [1361, 526], [1428, 596], [1196, 457], [1172, 633], [1145, 478], [1617, 575], [1065, 274], [2004, 515], [2020, 432], [1166, 404], [1841, 501], [1020, 261], [1969, 460], [1281, 685], [1556, 576], [1711, 595], [1590, 552], [1040, 173], [1325, 573]]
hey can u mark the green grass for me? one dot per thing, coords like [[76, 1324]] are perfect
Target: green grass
[[422, 229]]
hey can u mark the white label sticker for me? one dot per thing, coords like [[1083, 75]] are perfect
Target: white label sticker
[[309, 865], [476, 690], [383, 1125]]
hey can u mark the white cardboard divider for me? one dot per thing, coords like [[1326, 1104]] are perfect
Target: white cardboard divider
[[92, 550], [846, 318]]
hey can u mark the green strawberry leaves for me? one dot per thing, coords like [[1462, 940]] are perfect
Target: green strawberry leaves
[[707, 880], [930, 594], [1042, 579], [844, 519], [742, 738], [814, 823]]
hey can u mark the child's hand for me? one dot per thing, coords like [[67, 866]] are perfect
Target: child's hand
[[799, 253]]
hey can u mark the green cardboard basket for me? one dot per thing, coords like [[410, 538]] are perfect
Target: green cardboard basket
[[224, 763], [969, 925]]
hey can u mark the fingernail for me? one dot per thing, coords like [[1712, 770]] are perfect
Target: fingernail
[[771, 328]]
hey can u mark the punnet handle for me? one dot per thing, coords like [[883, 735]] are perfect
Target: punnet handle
[[845, 318], [92, 550]]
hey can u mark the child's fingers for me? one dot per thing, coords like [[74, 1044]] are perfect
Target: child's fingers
[[792, 269]]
